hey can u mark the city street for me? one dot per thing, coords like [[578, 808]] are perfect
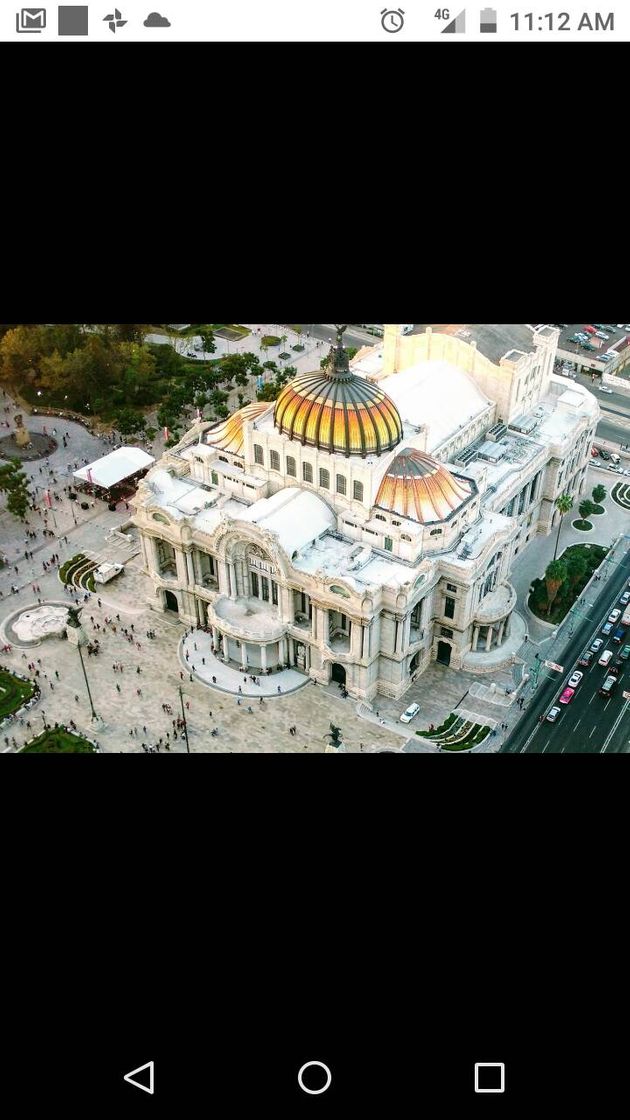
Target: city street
[[590, 724]]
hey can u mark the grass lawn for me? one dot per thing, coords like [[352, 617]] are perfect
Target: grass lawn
[[58, 741], [270, 340], [593, 554], [13, 693]]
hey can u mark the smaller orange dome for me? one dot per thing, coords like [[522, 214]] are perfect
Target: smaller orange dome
[[418, 487], [228, 435]]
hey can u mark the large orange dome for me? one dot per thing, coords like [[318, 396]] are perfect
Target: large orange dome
[[338, 411], [419, 487]]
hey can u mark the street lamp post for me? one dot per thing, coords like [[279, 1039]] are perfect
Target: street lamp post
[[94, 715], [181, 700]]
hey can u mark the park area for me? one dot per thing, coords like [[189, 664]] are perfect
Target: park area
[[14, 693], [57, 740], [552, 597]]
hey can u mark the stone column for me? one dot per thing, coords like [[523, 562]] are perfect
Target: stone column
[[283, 650], [489, 639], [215, 636], [226, 650], [231, 579], [500, 635], [180, 562], [322, 625], [244, 654], [190, 569], [356, 640], [475, 639], [263, 657], [314, 623], [406, 632]]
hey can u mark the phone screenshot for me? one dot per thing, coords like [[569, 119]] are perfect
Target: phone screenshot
[[361, 590]]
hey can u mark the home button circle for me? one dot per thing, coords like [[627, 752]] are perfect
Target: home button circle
[[314, 1078]]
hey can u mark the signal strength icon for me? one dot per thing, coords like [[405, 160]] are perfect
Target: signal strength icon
[[457, 26]]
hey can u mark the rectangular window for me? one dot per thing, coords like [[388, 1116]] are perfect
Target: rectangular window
[[449, 607], [291, 466], [389, 544], [341, 484], [357, 490], [445, 632], [307, 472], [254, 578], [324, 479], [265, 588], [274, 593], [258, 454], [274, 460], [451, 587]]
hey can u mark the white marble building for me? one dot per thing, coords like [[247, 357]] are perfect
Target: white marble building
[[366, 522]]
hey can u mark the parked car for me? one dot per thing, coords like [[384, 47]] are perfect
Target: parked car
[[594, 452], [567, 696], [605, 658], [625, 598], [602, 335], [615, 669], [604, 454], [606, 629], [553, 714], [590, 330], [625, 653], [586, 659], [588, 346], [614, 615], [575, 679], [608, 686], [597, 645], [604, 389], [410, 713], [619, 635]]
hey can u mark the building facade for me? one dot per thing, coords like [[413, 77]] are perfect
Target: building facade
[[365, 523]]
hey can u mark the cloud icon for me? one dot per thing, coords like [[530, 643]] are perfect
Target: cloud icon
[[156, 20]]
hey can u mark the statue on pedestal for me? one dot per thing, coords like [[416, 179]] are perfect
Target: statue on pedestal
[[74, 630], [21, 434]]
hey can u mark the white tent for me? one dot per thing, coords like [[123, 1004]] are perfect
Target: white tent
[[115, 467]]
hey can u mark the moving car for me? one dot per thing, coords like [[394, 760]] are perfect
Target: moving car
[[575, 679], [567, 696], [410, 713], [604, 389], [606, 628], [586, 659], [605, 658], [614, 615], [608, 686], [553, 714], [596, 646]]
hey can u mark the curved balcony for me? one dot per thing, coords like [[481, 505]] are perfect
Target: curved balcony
[[246, 618], [497, 605]]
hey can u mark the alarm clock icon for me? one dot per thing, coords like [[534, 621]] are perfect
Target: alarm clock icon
[[392, 20]]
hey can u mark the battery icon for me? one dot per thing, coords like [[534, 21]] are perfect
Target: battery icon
[[487, 20]]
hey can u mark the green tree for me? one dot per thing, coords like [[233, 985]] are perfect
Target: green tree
[[586, 508], [268, 392], [151, 433], [20, 351], [129, 422], [555, 576], [599, 493], [14, 483], [576, 567], [207, 339], [563, 504]]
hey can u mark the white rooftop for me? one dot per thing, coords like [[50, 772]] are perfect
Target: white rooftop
[[295, 516], [438, 395], [115, 467]]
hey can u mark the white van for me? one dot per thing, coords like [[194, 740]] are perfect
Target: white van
[[615, 457], [105, 572], [606, 657]]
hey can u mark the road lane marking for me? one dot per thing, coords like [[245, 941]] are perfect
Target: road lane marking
[[577, 725], [592, 698], [545, 746], [592, 733]]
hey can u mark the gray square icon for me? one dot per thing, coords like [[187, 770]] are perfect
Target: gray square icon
[[73, 20]]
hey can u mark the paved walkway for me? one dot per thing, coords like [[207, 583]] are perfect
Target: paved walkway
[[196, 656]]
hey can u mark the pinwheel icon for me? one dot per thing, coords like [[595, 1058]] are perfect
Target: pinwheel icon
[[114, 21]]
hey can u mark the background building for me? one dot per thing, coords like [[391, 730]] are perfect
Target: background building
[[366, 522]]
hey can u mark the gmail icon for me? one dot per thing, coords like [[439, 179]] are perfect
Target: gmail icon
[[30, 21]]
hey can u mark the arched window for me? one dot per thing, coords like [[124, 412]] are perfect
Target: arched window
[[324, 479], [274, 460], [258, 454], [357, 490], [307, 472], [291, 466]]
